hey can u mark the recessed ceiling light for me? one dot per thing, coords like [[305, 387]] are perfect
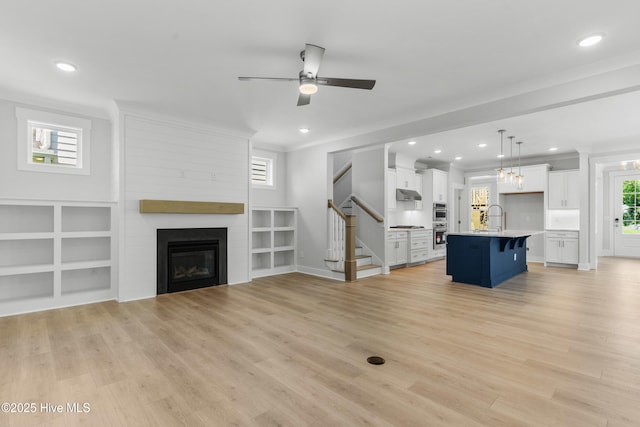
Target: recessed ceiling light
[[590, 40], [437, 151], [65, 66], [304, 130], [500, 156], [482, 145], [458, 158], [411, 143], [553, 149]]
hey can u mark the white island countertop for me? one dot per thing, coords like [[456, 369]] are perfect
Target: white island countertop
[[511, 234]]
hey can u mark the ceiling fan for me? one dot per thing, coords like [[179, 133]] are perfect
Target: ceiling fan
[[309, 81]]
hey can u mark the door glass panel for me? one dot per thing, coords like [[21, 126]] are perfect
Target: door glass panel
[[631, 207]]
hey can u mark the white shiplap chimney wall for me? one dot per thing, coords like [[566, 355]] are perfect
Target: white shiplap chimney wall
[[165, 160]]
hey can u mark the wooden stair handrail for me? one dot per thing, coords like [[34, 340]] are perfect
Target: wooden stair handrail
[[335, 208], [342, 172], [366, 209]]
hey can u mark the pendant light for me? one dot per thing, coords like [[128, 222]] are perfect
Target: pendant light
[[511, 175], [519, 178], [500, 172]]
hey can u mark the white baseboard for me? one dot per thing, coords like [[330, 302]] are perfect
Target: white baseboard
[[327, 274], [584, 266]]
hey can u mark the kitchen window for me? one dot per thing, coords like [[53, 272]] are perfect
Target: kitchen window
[[49, 142], [479, 206]]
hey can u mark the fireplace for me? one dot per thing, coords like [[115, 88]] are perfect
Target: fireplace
[[191, 258]]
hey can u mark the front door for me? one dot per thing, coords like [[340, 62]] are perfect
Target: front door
[[627, 215]]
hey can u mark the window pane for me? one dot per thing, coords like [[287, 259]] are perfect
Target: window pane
[[631, 207], [54, 145], [261, 171]]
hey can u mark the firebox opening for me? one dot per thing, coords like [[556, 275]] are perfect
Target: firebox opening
[[191, 258]]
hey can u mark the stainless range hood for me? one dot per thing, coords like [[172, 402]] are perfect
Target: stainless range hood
[[403, 194]]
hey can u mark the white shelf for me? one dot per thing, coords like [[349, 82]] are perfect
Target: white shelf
[[26, 236], [55, 254], [273, 241]]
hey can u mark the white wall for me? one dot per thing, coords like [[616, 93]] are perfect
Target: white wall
[[308, 172], [20, 184], [173, 161], [276, 195], [526, 212], [369, 186]]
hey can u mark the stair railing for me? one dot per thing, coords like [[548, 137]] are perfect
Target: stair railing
[[366, 209], [342, 240]]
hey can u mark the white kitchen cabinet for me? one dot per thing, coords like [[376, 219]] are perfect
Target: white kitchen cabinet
[[418, 187], [534, 180], [435, 190], [405, 179], [391, 189], [562, 247], [420, 244], [397, 243], [564, 190]]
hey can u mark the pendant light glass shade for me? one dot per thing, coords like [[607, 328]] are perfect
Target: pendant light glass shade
[[510, 174], [519, 178], [500, 175]]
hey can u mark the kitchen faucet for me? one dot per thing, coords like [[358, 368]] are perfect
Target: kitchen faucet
[[495, 216]]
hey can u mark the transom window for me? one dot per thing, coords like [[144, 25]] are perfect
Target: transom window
[[49, 142], [262, 171], [56, 145]]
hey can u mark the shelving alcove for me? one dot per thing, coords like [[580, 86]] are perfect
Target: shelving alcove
[[55, 254], [273, 240]]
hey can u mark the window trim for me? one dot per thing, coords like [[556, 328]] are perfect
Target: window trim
[[270, 175], [26, 117]]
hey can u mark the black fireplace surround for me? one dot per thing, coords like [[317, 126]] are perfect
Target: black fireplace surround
[[191, 258]]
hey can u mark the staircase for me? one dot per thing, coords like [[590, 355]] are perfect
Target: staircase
[[347, 259], [365, 266]]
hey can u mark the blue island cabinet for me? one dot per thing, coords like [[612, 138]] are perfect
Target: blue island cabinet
[[486, 259]]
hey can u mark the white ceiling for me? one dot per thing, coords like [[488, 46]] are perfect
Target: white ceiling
[[183, 58]]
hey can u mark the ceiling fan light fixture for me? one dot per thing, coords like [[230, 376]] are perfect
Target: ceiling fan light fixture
[[308, 87]]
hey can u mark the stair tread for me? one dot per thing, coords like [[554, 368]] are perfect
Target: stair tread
[[357, 257], [368, 266]]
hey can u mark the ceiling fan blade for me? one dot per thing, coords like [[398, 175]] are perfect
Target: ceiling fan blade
[[312, 59], [352, 83], [304, 99], [282, 79]]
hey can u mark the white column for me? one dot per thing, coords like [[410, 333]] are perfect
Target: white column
[[587, 259]]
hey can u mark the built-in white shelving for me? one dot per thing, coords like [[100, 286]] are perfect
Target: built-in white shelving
[[54, 254], [273, 241]]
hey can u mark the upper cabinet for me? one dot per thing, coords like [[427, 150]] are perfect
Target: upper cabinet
[[391, 189], [564, 190], [435, 186], [533, 181], [405, 179]]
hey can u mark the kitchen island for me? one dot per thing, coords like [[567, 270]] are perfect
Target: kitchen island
[[485, 258]]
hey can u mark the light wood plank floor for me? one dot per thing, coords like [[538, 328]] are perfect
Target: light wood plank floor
[[551, 347]]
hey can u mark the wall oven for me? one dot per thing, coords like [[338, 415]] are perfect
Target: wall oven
[[439, 235], [439, 212]]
